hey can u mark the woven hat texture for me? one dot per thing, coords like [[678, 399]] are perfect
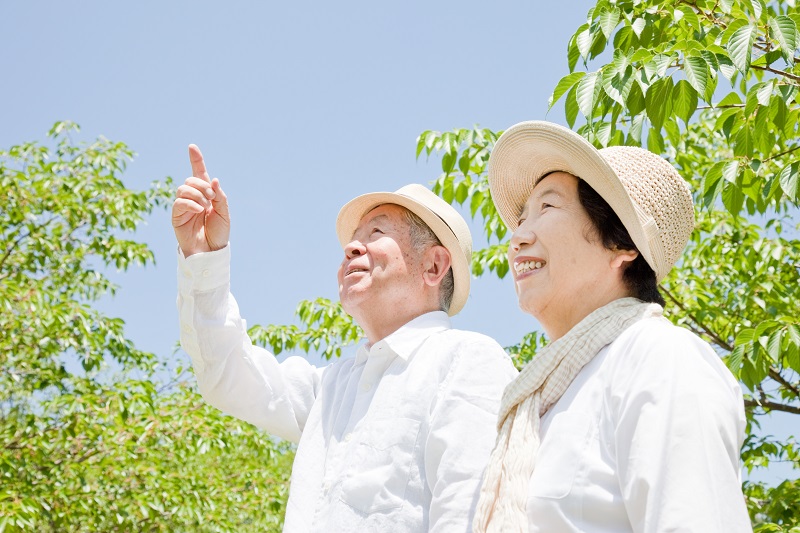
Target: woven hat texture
[[651, 199], [447, 224]]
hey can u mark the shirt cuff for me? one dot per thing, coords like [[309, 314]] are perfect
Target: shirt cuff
[[204, 271]]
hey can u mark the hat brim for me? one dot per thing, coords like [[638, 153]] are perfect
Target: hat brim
[[530, 150], [353, 211]]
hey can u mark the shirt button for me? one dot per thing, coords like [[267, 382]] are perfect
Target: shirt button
[[348, 437], [366, 387], [206, 273], [326, 486]]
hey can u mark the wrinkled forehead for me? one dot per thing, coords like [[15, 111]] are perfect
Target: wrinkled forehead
[[386, 212]]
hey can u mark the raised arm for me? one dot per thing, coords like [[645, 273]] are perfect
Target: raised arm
[[233, 375]]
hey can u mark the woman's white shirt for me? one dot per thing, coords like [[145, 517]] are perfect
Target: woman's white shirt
[[645, 439]]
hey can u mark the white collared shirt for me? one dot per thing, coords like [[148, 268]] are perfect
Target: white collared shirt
[[395, 439], [645, 439]]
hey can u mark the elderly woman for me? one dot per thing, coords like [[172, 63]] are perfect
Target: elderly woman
[[624, 422]]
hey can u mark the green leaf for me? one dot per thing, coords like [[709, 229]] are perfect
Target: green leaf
[[565, 84], [743, 143], [740, 47], [583, 40], [608, 21], [690, 17], [636, 101], [774, 345], [449, 161], [684, 100], [730, 170], [635, 130], [726, 67], [732, 198], [790, 181], [745, 336], [784, 31], [655, 143], [571, 106], [757, 8], [658, 101], [712, 184], [696, 70], [617, 84], [730, 99], [573, 53], [586, 94], [638, 25], [734, 361], [764, 93]]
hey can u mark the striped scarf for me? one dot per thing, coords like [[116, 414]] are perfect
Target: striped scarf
[[504, 494]]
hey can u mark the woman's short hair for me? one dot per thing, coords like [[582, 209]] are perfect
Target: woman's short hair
[[638, 276]]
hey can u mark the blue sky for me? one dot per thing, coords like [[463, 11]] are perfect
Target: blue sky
[[297, 106]]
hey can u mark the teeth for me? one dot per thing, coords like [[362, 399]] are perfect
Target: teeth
[[525, 266]]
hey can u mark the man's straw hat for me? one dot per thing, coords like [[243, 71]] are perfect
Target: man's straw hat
[[652, 201], [441, 217]]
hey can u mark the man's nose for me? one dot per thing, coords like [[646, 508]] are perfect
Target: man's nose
[[354, 249]]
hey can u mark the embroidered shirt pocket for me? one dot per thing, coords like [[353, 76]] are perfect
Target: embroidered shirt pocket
[[381, 466], [560, 454]]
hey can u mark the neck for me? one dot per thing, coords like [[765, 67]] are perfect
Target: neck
[[382, 325], [558, 326]]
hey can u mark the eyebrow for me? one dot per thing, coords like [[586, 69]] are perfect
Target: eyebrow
[[548, 191], [379, 218]]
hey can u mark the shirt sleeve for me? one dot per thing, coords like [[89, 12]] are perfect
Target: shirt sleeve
[[463, 432], [679, 426], [233, 375]]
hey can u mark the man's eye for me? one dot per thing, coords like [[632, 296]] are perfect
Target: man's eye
[[545, 206], [520, 221], [376, 230]]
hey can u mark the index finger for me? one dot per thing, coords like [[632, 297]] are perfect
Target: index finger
[[198, 165]]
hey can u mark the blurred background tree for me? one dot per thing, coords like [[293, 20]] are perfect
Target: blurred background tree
[[92, 436]]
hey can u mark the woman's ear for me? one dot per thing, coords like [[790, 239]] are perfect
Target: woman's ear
[[436, 263], [623, 258]]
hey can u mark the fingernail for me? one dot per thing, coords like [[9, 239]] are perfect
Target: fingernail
[[210, 193]]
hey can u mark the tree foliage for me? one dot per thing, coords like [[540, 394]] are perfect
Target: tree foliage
[[713, 87], [92, 437]]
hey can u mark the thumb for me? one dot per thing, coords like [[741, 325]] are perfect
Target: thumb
[[220, 200]]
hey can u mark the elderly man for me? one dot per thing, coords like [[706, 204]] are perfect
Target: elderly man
[[395, 439]]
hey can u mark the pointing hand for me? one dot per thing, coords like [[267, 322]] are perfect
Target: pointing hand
[[200, 215]]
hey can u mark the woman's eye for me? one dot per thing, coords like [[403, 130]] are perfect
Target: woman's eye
[[545, 206], [520, 221], [376, 230]]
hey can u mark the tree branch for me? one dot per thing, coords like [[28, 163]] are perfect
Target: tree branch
[[773, 406], [779, 72], [776, 375], [789, 151], [714, 336]]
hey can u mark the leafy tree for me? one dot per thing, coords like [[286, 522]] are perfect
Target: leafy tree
[[91, 436], [713, 87]]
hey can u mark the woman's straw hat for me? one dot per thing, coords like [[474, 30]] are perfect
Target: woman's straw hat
[[646, 192], [441, 217]]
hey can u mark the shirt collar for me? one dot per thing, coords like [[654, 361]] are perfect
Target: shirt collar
[[403, 342]]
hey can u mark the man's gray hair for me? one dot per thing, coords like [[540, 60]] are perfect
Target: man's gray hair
[[423, 237]]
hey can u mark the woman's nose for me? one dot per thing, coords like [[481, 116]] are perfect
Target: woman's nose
[[522, 236]]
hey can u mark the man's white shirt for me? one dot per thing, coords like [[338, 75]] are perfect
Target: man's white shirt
[[395, 439]]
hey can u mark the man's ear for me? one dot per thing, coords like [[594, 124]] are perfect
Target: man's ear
[[436, 263]]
